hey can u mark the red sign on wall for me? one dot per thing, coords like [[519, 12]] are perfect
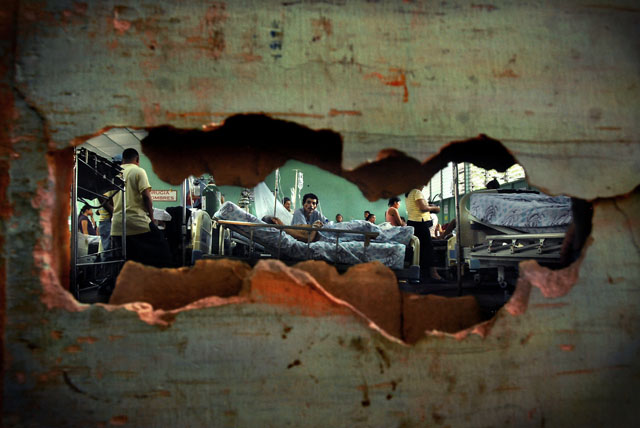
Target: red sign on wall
[[164, 195]]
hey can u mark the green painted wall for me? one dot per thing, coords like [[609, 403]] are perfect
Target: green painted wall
[[157, 184], [231, 193], [336, 194]]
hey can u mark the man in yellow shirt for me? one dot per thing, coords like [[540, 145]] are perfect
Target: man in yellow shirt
[[145, 242]]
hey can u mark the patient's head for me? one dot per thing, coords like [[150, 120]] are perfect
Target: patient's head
[[287, 203], [272, 220], [393, 201], [310, 203], [371, 218], [338, 218], [493, 184]]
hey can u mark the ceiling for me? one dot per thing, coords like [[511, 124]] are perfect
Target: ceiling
[[115, 141]]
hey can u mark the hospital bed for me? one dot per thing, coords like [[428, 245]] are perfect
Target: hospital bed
[[500, 228], [344, 244]]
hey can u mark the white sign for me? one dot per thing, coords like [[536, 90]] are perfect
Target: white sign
[[164, 195]]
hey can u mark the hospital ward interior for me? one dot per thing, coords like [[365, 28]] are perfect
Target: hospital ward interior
[[473, 226], [320, 213]]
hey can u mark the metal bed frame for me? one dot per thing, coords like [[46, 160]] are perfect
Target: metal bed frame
[[488, 249], [368, 236], [411, 273]]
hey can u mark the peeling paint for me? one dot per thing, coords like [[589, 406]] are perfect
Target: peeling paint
[[333, 112], [169, 289], [395, 78], [508, 73], [73, 349], [119, 420], [121, 26]]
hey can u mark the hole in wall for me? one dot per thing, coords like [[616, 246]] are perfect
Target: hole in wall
[[246, 149]]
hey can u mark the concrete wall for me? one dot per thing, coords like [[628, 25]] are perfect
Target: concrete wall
[[556, 83]]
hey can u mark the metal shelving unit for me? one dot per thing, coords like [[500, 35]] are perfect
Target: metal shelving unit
[[98, 175]]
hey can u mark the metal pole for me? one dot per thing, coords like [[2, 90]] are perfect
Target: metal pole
[[275, 196], [183, 229], [124, 222], [442, 190], [467, 180], [458, 245], [74, 228], [295, 189]]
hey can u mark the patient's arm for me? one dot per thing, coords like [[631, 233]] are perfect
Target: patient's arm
[[303, 235]]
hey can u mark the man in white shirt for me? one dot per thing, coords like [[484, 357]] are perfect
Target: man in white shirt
[[308, 214], [145, 242]]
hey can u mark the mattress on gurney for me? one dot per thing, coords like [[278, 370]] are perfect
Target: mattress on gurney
[[527, 212], [388, 248]]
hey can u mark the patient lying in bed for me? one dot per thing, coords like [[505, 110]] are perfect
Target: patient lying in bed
[[388, 247]]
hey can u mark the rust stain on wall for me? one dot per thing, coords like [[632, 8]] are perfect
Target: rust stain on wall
[[73, 349], [213, 26], [121, 26], [485, 7], [508, 73], [333, 112], [608, 128], [321, 27], [396, 77], [119, 420]]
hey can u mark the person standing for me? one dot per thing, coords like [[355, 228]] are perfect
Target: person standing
[[145, 242], [419, 216], [104, 217], [86, 223]]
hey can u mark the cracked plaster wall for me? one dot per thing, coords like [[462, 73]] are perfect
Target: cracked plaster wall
[[557, 85]]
